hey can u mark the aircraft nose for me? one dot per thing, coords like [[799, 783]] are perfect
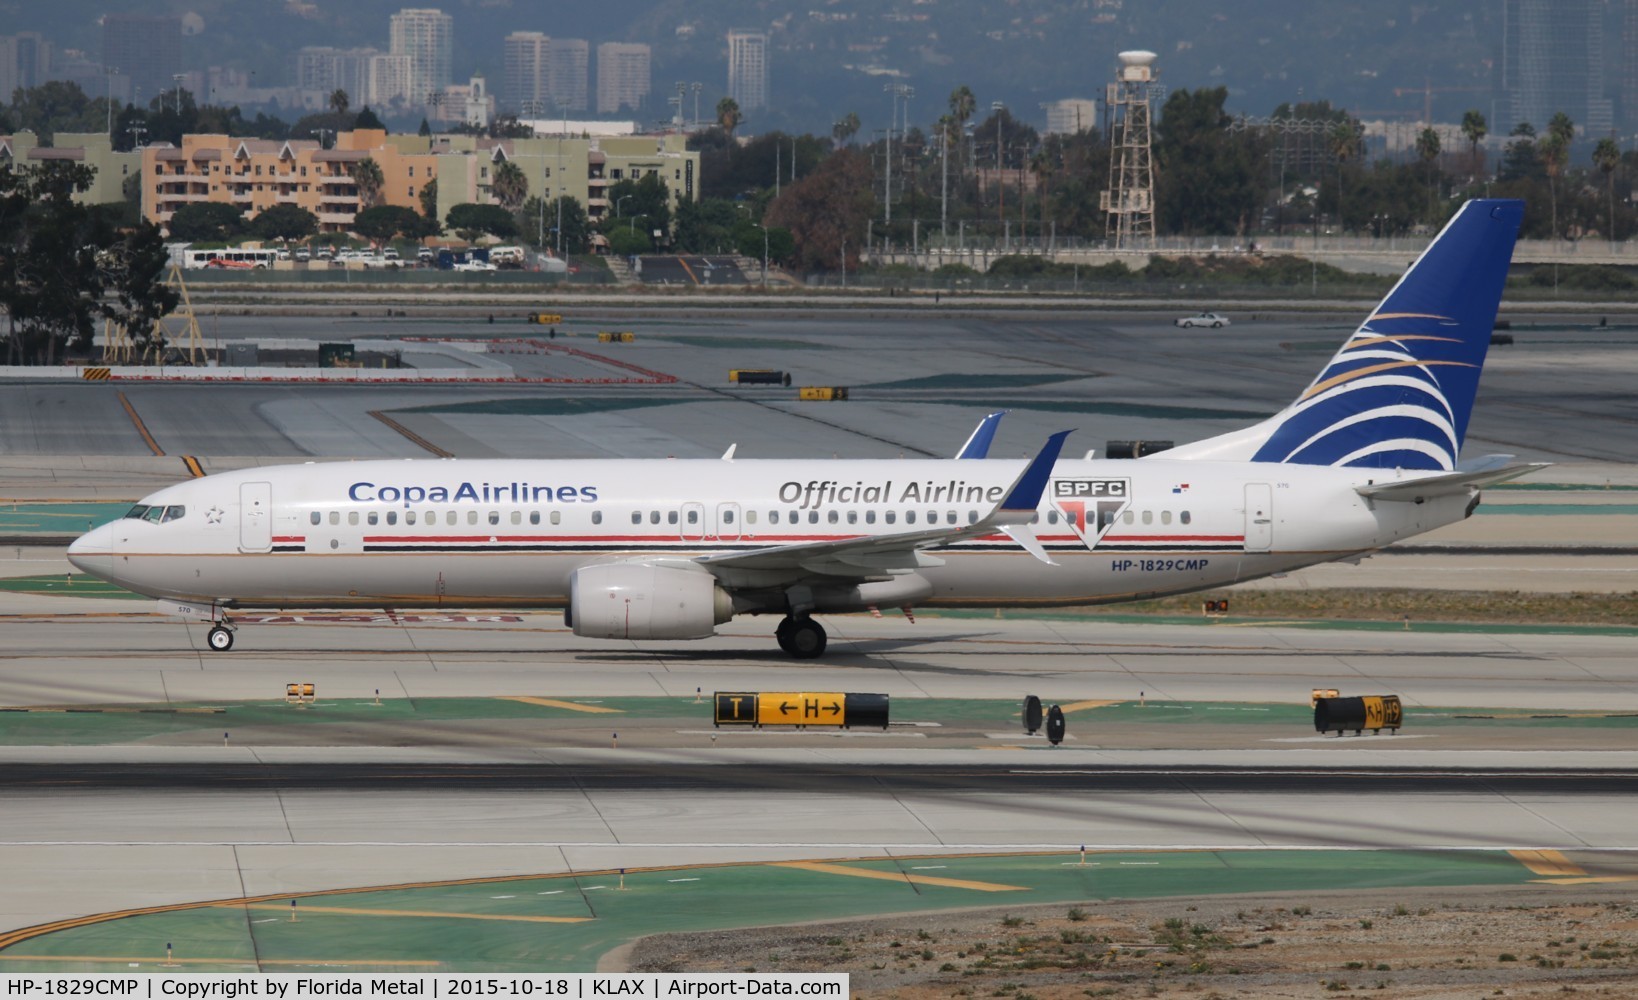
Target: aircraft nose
[[94, 550]]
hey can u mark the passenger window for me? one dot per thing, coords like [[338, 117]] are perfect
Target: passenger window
[[335, 517], [653, 517], [1148, 517], [773, 517], [888, 517], [494, 517], [750, 517], [670, 517], [793, 517], [517, 517], [870, 517], [813, 517], [392, 517], [636, 517], [1184, 517], [1052, 517], [852, 517], [1165, 517], [833, 516], [972, 517], [693, 517], [1126, 518], [932, 517], [409, 517], [534, 517], [450, 517], [727, 517], [949, 517], [431, 517], [597, 517], [557, 517], [315, 517], [1035, 518], [471, 517], [909, 517]]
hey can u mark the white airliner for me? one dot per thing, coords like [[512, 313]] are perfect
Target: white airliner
[[668, 550]]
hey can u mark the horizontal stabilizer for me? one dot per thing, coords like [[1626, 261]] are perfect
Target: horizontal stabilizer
[[1450, 484]]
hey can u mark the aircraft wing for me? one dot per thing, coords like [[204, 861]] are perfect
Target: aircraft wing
[[1490, 469], [878, 555]]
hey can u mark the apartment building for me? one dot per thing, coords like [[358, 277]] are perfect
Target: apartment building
[[253, 175], [93, 149]]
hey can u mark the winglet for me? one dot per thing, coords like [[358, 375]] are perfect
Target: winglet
[[978, 445], [728, 456], [1026, 491]]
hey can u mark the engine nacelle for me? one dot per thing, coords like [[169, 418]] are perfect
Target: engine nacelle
[[646, 601]]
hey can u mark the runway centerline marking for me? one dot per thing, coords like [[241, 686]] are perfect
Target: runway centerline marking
[[952, 883]]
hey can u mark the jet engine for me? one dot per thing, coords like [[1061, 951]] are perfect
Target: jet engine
[[642, 600]]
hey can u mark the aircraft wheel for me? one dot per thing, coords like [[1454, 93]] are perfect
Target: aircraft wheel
[[782, 634], [806, 639], [220, 639]]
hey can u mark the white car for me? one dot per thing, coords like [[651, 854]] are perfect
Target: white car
[[1213, 320], [475, 265]]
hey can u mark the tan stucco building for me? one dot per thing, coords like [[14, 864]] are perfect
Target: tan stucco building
[[89, 148], [253, 175]]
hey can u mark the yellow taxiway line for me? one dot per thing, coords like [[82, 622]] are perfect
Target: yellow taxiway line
[[952, 883], [357, 911], [570, 705]]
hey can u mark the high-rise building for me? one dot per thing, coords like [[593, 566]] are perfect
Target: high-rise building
[[748, 69], [1552, 60], [570, 70], [427, 36], [526, 87], [1629, 66], [622, 77], [25, 61], [387, 82], [146, 49], [327, 70]]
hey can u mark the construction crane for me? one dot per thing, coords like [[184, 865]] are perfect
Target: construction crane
[[1427, 90]]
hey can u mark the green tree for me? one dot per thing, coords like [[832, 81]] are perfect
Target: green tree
[[429, 199], [508, 185], [472, 221], [338, 102], [827, 211], [57, 106], [1427, 150], [706, 226], [576, 226], [1208, 179], [1606, 157], [1554, 150], [381, 223], [284, 222], [1474, 129], [646, 198], [367, 119], [1343, 141], [845, 128], [728, 115], [425, 129], [51, 281], [366, 173], [1521, 160], [206, 222], [628, 242], [137, 297]]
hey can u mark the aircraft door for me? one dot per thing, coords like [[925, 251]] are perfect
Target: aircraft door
[[693, 522], [728, 515], [255, 517], [1259, 517]]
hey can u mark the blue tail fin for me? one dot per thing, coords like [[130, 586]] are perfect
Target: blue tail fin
[[1399, 392]]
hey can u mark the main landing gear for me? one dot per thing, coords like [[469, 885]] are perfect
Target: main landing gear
[[802, 637], [220, 637]]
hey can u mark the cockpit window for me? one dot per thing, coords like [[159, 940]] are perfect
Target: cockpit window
[[137, 511], [173, 513], [153, 514]]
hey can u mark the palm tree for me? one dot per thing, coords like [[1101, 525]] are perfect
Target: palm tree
[[509, 186], [1474, 128], [844, 130], [962, 104], [1555, 152], [1344, 141], [728, 115], [339, 102], [1607, 156], [1427, 149], [366, 173]]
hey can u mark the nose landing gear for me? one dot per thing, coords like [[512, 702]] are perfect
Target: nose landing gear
[[220, 637], [802, 637]]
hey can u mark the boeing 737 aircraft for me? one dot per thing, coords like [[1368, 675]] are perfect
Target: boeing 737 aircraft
[[665, 550]]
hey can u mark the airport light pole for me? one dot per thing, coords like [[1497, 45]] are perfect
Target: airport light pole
[[764, 252], [618, 202], [996, 107], [177, 78], [111, 71]]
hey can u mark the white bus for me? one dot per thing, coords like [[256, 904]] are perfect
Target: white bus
[[229, 258]]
